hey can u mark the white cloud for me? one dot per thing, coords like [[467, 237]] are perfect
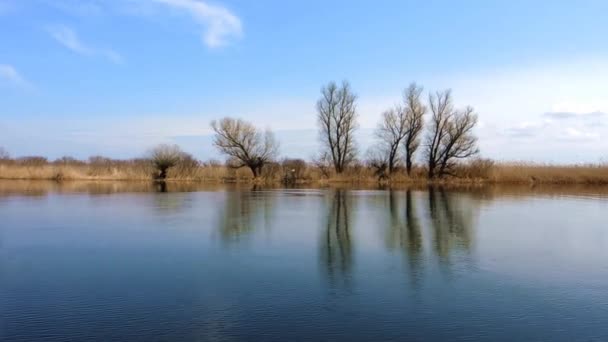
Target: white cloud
[[582, 108], [549, 131], [69, 39], [10, 74], [220, 25], [574, 134]]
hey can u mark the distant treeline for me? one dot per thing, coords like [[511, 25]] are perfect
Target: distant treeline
[[417, 140]]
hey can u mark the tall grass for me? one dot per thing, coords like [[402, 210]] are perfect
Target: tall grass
[[550, 173], [296, 171]]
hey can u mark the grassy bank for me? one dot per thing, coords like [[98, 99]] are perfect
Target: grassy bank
[[300, 172]]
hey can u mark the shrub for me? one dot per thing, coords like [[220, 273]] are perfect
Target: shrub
[[294, 171], [164, 157], [33, 161]]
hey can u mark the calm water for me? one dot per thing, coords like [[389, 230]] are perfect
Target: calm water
[[102, 262]]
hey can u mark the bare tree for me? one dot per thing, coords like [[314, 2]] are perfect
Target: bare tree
[[391, 131], [400, 125], [244, 144], [450, 136], [164, 157], [414, 122], [337, 117]]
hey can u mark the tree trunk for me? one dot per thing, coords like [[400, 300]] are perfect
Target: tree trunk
[[431, 170], [408, 164], [254, 170], [163, 174]]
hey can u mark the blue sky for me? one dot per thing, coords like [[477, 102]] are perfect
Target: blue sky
[[116, 77]]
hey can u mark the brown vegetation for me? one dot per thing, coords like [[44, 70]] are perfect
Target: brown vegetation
[[298, 171], [520, 173]]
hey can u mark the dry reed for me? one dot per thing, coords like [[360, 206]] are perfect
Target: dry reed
[[295, 171]]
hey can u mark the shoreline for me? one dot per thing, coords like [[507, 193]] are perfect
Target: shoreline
[[308, 174], [336, 182]]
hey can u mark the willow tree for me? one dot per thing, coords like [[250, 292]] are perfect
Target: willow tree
[[164, 157], [337, 119], [244, 144], [450, 135]]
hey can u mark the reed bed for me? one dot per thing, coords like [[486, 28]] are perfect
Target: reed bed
[[295, 171]]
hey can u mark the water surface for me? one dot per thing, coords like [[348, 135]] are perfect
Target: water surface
[[129, 262]]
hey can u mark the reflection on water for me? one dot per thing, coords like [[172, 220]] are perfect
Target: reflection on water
[[452, 222], [243, 212], [41, 188], [336, 244], [404, 231], [188, 262]]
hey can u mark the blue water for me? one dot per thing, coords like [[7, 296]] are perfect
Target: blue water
[[289, 265]]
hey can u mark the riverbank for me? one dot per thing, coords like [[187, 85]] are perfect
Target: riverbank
[[302, 174]]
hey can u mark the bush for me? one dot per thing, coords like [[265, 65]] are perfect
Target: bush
[[164, 157], [66, 160], [187, 167], [34, 161], [294, 171]]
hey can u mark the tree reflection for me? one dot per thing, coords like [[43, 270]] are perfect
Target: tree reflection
[[336, 244], [243, 212], [160, 186], [405, 230], [451, 220]]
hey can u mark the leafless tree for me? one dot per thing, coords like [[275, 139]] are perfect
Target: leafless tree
[[164, 157], [390, 133], [244, 144], [450, 136], [400, 125], [414, 122], [337, 116]]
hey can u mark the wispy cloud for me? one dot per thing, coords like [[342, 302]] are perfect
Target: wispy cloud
[[560, 126], [220, 25], [577, 134], [574, 115], [69, 39], [9, 74], [525, 129]]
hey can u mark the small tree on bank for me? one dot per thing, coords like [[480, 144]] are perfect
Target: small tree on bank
[[450, 135], [337, 119], [244, 144], [164, 157]]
